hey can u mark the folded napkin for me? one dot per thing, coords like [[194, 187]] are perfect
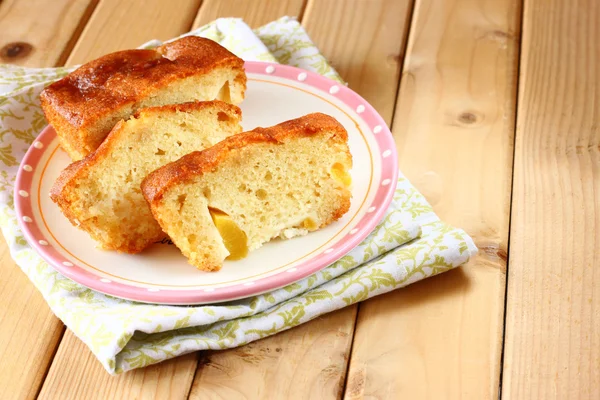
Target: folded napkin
[[410, 243]]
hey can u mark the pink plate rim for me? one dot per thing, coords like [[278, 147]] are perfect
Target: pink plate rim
[[362, 110]]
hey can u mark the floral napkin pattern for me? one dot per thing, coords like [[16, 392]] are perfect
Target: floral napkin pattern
[[410, 243]]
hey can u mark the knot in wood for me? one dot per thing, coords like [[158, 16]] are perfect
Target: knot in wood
[[15, 51], [467, 118], [500, 34], [393, 59]]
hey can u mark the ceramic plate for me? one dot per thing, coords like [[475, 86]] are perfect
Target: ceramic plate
[[161, 274]]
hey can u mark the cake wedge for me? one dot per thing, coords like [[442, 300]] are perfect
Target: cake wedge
[[87, 103], [101, 194], [282, 181]]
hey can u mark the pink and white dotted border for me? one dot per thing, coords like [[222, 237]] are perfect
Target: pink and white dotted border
[[362, 110]]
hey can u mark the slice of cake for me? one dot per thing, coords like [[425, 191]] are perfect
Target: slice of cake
[[227, 200], [101, 194], [86, 104]]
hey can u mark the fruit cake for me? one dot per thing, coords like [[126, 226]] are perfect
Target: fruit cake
[[229, 199], [101, 194]]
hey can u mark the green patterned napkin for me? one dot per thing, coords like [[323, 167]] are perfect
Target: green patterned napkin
[[410, 244]]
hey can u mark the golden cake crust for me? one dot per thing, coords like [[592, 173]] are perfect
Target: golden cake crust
[[197, 163], [85, 105], [104, 84]]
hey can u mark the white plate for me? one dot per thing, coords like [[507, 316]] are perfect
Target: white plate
[[161, 274]]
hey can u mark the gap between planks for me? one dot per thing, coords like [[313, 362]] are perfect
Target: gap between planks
[[552, 344], [369, 59], [54, 385], [512, 179], [456, 103], [47, 33], [410, 8], [99, 18]]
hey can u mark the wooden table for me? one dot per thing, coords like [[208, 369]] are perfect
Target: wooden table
[[495, 107]]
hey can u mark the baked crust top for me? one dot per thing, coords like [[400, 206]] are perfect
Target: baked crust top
[[116, 79]]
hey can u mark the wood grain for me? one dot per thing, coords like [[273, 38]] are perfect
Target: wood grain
[[118, 25], [454, 126], [29, 332], [77, 374], [36, 32], [553, 308], [306, 362], [255, 13]]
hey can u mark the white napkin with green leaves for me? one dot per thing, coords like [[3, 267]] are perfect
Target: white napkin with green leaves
[[410, 243]]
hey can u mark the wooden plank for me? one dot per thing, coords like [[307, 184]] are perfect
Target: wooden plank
[[118, 25], [255, 13], [313, 357], [36, 33], [553, 308], [29, 332], [109, 29], [454, 120], [307, 362], [76, 374]]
